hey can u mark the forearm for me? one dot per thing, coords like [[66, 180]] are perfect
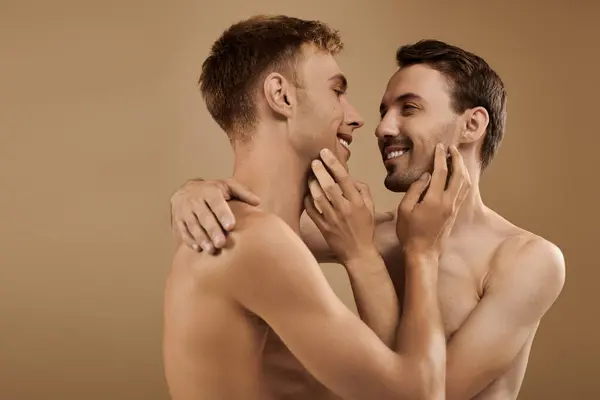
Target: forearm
[[375, 296], [420, 336]]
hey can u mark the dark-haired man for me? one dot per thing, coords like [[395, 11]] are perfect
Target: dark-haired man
[[273, 85], [496, 280]]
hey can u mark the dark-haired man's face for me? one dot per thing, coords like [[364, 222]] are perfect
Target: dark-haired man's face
[[416, 114], [325, 118]]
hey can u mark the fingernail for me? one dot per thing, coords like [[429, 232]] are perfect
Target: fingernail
[[425, 176], [326, 153], [440, 146], [195, 247], [228, 224], [206, 246], [316, 163], [219, 241]]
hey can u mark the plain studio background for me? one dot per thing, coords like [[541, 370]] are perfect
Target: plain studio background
[[101, 120]]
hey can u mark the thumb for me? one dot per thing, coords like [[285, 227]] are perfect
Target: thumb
[[384, 216], [241, 192]]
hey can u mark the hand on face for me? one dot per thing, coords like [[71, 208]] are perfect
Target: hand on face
[[200, 214], [423, 224], [342, 209]]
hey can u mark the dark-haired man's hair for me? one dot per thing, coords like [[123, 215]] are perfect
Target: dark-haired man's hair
[[473, 83], [242, 57]]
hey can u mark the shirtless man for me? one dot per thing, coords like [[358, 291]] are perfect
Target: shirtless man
[[496, 280], [272, 83]]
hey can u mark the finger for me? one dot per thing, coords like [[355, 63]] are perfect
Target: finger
[[210, 224], [384, 217], [365, 194], [320, 198], [439, 175], [457, 177], [221, 210], [186, 236], [328, 185], [464, 189], [242, 193], [340, 175], [411, 198], [199, 235], [313, 213]]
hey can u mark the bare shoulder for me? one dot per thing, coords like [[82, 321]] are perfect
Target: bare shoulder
[[530, 259], [262, 240], [257, 237]]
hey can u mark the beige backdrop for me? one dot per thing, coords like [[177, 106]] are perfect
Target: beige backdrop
[[100, 120]]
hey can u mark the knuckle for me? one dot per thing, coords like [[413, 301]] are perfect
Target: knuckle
[[207, 221], [189, 183], [403, 209], [341, 171], [329, 188], [175, 197], [318, 166], [318, 197], [196, 203], [213, 228], [197, 233], [221, 187], [326, 227], [220, 208]]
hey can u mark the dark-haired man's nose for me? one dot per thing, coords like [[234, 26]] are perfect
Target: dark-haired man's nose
[[387, 128]]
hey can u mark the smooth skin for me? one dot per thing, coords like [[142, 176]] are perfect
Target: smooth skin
[[496, 280], [210, 296]]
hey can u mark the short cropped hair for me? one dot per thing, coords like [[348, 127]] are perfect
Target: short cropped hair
[[248, 51]]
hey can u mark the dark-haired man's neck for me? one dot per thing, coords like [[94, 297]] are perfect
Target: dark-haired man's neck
[[472, 211], [275, 174]]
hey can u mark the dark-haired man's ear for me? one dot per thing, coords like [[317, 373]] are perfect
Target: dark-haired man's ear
[[277, 93], [477, 120]]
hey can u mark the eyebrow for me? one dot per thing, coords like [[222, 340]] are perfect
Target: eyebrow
[[342, 81], [402, 98]]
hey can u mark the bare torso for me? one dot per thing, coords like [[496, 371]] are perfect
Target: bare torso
[[466, 263], [212, 346]]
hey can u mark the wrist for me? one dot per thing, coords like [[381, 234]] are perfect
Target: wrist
[[415, 251], [367, 256]]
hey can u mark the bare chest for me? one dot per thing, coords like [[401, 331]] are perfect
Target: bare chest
[[286, 378], [460, 288], [461, 281]]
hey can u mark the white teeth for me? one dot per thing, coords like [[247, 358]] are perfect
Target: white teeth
[[395, 154], [344, 143]]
